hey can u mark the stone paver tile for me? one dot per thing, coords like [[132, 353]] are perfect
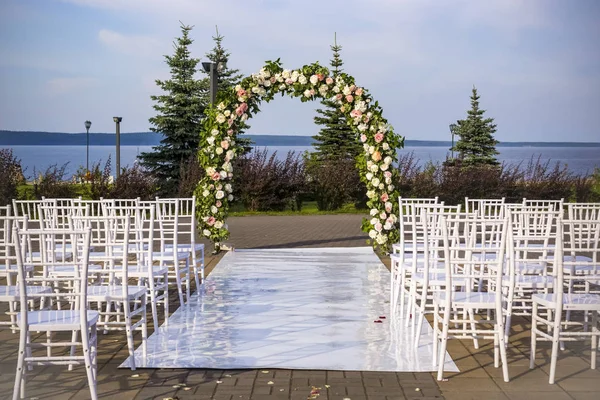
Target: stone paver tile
[[579, 385], [475, 396], [585, 395], [529, 395], [468, 385]]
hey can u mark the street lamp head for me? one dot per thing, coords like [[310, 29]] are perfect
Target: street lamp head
[[117, 119], [206, 65], [88, 124], [452, 128]]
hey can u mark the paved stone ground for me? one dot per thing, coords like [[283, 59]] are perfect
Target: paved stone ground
[[478, 378]]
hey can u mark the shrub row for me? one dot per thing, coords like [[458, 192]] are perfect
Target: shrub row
[[265, 182]]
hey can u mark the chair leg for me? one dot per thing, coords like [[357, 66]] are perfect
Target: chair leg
[[129, 334], [19, 389], [444, 344], [555, 344], [502, 344], [533, 335], [436, 321], [87, 357], [73, 348], [594, 339], [144, 326]]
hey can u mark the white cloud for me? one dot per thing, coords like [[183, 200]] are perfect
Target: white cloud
[[136, 45], [58, 86]]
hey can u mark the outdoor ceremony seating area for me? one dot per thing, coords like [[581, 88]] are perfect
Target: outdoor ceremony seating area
[[86, 267], [474, 270]]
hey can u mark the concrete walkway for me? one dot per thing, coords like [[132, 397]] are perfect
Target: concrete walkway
[[478, 378]]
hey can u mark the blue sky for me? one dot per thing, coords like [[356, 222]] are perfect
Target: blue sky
[[536, 63]]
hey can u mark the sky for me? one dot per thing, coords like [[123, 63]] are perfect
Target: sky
[[535, 63]]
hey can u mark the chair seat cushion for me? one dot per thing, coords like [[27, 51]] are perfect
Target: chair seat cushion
[[114, 292], [11, 293], [474, 299]]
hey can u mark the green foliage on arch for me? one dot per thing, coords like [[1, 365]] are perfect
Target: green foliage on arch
[[219, 147]]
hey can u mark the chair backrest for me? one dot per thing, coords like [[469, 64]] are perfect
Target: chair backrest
[[488, 208], [7, 256], [537, 221], [30, 208], [73, 287], [167, 215], [556, 205], [583, 211]]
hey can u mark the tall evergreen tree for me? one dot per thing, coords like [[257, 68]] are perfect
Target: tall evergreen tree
[[227, 78], [336, 140], [179, 111], [476, 144]]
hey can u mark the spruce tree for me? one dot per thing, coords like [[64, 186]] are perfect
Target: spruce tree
[[227, 78], [336, 140], [476, 144], [179, 111]]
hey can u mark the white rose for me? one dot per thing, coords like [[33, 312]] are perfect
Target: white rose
[[374, 212], [387, 226], [314, 79], [230, 197], [346, 91], [227, 113], [383, 215], [307, 93], [267, 83], [223, 175], [366, 146], [390, 188], [244, 117], [230, 154], [294, 76], [214, 209], [372, 234], [374, 221], [210, 140], [375, 182], [302, 79], [220, 194], [228, 188], [384, 167], [219, 224], [286, 73], [387, 160], [374, 168], [206, 233], [381, 186], [362, 127], [381, 239], [371, 150], [214, 132], [219, 150], [255, 89], [205, 193], [221, 105], [336, 89], [282, 86], [369, 176], [221, 118], [370, 194], [385, 146]]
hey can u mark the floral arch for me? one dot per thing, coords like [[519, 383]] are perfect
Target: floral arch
[[218, 146]]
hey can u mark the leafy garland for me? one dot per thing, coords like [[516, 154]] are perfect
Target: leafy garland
[[218, 146]]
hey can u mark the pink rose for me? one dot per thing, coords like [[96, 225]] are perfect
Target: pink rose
[[387, 174], [218, 203], [241, 109], [211, 221], [358, 91], [289, 81], [349, 98], [230, 121], [312, 92], [329, 80], [241, 92], [216, 176], [378, 227], [384, 197], [339, 96], [321, 77], [388, 208], [378, 137], [225, 144], [355, 113], [230, 132], [273, 79], [363, 138]]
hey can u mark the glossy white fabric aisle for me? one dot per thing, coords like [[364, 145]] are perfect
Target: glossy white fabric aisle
[[303, 308]]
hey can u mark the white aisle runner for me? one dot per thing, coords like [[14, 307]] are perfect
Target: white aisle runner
[[303, 308]]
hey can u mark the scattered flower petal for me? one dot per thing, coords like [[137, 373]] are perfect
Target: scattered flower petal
[[270, 383], [417, 389], [378, 321], [135, 375], [219, 381]]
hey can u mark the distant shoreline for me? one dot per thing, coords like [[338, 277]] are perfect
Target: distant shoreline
[[26, 138]]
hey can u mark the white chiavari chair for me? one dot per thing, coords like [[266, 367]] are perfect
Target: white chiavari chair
[[580, 238], [485, 208], [76, 319], [485, 237]]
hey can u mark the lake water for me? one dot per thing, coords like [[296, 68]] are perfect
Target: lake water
[[579, 160]]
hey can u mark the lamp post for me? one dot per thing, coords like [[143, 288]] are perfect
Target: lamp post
[[452, 130], [88, 125], [213, 70], [118, 157]]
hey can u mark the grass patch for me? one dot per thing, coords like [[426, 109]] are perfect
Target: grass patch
[[308, 208]]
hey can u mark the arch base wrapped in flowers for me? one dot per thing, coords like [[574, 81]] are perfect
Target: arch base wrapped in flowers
[[218, 147]]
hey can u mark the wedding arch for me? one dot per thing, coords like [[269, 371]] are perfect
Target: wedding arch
[[218, 147]]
